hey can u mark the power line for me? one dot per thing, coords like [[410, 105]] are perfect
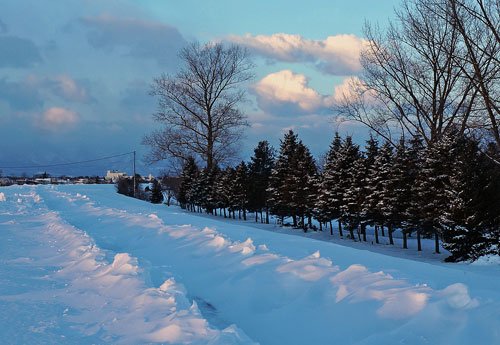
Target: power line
[[70, 163]]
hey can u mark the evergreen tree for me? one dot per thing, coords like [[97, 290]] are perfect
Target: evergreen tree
[[345, 189], [189, 175], [355, 195], [377, 188], [469, 221], [431, 186], [260, 169], [400, 182], [240, 189], [415, 156], [368, 213], [305, 184], [329, 196], [282, 182], [226, 191], [156, 193]]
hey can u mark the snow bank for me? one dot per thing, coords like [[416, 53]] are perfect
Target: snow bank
[[487, 260], [2, 197], [278, 289], [110, 300]]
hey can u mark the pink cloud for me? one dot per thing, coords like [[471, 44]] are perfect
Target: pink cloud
[[57, 118], [337, 55]]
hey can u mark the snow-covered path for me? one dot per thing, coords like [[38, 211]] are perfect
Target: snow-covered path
[[248, 283]]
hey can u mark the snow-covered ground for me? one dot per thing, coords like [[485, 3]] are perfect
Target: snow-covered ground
[[82, 264]]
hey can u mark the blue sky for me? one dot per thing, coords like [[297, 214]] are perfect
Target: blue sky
[[74, 75]]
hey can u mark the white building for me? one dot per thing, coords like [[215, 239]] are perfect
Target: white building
[[114, 175]]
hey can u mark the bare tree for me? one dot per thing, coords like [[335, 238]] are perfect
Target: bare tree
[[411, 80], [199, 105], [478, 22]]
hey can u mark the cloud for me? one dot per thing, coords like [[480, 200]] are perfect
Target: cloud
[[30, 93], [337, 55], [140, 38], [288, 93], [56, 119], [18, 52], [65, 87]]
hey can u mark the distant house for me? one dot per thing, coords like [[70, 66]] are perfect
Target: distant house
[[114, 175]]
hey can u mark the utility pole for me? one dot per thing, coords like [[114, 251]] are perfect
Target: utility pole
[[134, 175]]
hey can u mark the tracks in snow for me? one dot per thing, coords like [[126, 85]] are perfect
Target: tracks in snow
[[272, 297]]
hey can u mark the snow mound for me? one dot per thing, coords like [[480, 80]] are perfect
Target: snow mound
[[457, 296], [399, 300], [487, 260], [245, 248], [2, 197], [310, 268]]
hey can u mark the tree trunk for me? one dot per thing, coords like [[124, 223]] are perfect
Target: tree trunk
[[309, 222], [244, 214], [340, 229], [376, 234], [382, 229], [389, 231], [267, 216], [256, 217], [363, 231], [419, 241], [320, 226], [405, 240], [225, 212], [351, 233], [294, 221], [436, 241], [331, 228]]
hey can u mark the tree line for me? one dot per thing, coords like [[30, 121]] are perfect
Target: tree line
[[449, 191]]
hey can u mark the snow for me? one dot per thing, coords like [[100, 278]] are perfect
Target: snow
[[2, 197], [92, 266]]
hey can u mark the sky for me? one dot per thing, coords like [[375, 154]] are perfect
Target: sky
[[75, 74]]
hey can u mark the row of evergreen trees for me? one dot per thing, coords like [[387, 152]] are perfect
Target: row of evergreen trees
[[449, 190]]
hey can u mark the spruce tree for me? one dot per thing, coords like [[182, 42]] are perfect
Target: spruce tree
[[431, 186], [354, 195], [400, 183], [189, 175], [469, 221], [329, 194], [368, 213], [345, 190], [305, 184], [415, 156], [240, 189], [282, 182], [156, 193], [260, 169]]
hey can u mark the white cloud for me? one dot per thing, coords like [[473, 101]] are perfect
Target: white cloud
[[337, 55], [285, 92], [57, 118]]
